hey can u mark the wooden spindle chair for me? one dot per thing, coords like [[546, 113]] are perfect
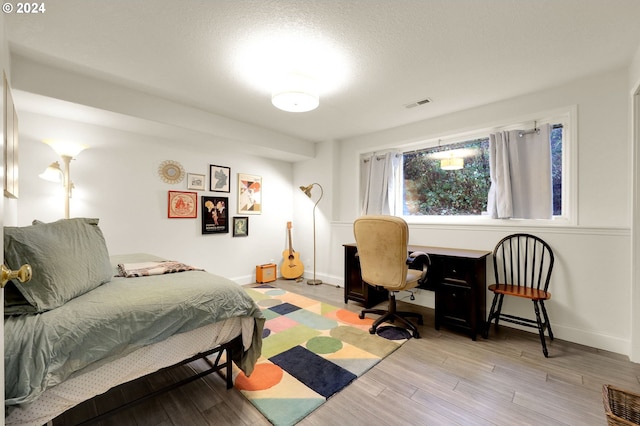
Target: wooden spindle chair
[[522, 264]]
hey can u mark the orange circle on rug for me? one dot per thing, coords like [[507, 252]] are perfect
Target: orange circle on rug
[[352, 317], [264, 376]]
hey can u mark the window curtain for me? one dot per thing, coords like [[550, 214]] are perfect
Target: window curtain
[[520, 170], [378, 183]]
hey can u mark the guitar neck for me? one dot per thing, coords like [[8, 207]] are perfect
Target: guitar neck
[[289, 237]]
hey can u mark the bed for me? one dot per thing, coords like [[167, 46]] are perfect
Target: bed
[[83, 325]]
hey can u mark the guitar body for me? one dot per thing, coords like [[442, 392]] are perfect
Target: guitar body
[[291, 267]]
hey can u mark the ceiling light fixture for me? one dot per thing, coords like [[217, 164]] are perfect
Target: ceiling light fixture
[[296, 93], [452, 163]]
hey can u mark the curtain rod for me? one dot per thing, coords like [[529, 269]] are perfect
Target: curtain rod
[[380, 157], [521, 133], [536, 129]]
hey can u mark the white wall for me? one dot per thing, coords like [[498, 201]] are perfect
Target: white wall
[[591, 285], [116, 180]]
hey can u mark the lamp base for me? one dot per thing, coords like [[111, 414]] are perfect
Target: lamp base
[[314, 282]]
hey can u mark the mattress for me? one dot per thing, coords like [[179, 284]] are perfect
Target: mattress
[[90, 381], [43, 350]]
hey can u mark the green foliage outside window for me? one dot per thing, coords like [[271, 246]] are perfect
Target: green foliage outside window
[[430, 190]]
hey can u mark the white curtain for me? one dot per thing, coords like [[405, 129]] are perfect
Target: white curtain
[[378, 183], [520, 170]]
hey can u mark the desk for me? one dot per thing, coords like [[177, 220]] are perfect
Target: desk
[[457, 276]]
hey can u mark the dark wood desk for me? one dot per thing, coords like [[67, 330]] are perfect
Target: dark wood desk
[[457, 276]]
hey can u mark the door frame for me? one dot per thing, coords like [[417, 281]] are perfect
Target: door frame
[[635, 224]]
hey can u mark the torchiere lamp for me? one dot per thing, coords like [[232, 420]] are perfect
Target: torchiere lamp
[[307, 191], [55, 173]]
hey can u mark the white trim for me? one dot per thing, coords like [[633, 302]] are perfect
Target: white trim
[[572, 230]]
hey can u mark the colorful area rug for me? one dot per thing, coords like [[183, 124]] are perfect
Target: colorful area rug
[[310, 351]]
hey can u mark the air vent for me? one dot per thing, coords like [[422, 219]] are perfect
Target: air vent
[[418, 103]]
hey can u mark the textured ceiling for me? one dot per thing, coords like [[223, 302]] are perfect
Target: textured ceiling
[[459, 53]]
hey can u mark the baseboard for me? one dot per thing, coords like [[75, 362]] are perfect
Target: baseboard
[[581, 337]]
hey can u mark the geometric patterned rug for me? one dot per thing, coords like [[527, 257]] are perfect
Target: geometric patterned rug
[[310, 351]]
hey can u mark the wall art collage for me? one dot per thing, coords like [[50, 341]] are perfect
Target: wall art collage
[[214, 208]]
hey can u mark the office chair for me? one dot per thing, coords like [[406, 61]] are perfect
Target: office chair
[[382, 242], [522, 265]]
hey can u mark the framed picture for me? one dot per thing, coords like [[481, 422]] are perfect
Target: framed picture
[[215, 219], [195, 181], [249, 194], [183, 204], [240, 226], [219, 178]]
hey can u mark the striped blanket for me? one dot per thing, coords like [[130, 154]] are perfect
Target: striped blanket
[[145, 269]]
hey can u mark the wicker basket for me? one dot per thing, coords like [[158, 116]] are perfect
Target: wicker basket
[[621, 407]]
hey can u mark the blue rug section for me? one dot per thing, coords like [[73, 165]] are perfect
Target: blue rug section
[[284, 308], [324, 377]]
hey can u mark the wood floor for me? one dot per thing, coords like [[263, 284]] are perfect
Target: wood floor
[[443, 378]]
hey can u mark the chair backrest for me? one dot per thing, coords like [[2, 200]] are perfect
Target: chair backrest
[[523, 260], [382, 249]]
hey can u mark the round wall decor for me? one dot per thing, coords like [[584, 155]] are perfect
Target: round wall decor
[[171, 171]]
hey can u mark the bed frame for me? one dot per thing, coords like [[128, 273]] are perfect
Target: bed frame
[[216, 365]]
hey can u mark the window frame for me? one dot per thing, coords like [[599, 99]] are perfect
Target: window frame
[[565, 116]]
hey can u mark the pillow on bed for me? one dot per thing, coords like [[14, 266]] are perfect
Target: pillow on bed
[[68, 258]]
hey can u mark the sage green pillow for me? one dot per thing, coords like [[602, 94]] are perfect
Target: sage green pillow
[[68, 258]]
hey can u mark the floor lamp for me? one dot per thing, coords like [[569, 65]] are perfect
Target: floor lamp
[[307, 191], [55, 173]]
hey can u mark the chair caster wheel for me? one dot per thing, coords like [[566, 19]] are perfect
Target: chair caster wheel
[[361, 315], [372, 330]]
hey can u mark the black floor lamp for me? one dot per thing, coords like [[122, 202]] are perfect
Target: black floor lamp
[[307, 190]]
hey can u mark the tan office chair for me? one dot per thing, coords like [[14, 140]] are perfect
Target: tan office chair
[[383, 253], [522, 265]]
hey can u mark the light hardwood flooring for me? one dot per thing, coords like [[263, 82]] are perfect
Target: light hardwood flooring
[[443, 378]]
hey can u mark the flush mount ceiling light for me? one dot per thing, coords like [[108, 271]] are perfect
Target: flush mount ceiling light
[[453, 163], [452, 159], [296, 93]]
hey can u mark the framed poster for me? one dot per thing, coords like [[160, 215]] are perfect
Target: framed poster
[[195, 181], [215, 219], [240, 226], [249, 194], [219, 178], [183, 205]]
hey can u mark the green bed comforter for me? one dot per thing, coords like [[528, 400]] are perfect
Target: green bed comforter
[[42, 350]]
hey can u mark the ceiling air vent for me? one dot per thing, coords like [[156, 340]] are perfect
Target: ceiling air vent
[[418, 103]]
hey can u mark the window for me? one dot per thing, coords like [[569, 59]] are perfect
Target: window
[[431, 190], [434, 184]]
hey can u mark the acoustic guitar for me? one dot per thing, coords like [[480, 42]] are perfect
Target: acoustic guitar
[[291, 267]]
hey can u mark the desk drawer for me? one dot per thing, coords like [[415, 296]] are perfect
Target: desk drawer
[[455, 304], [457, 270]]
